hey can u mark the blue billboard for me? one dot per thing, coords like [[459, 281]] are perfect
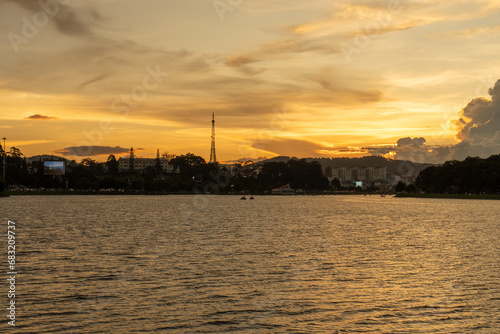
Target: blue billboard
[[53, 167]]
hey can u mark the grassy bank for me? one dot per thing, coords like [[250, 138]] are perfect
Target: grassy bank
[[452, 196]]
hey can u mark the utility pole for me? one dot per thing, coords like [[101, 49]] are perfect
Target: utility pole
[[4, 157]]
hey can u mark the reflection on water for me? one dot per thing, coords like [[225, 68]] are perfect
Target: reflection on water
[[347, 264]]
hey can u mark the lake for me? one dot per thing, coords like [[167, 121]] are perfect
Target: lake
[[217, 264]]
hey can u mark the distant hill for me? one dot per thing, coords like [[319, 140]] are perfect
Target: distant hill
[[395, 167], [45, 157]]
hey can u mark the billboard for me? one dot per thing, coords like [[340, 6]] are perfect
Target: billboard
[[53, 168]]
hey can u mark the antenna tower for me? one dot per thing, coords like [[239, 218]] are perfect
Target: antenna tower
[[213, 159], [131, 159]]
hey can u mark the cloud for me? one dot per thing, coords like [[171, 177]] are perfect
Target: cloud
[[469, 33], [480, 119], [479, 125], [86, 61], [198, 85], [87, 151], [93, 80], [415, 142], [346, 22], [67, 20], [280, 146], [287, 47], [287, 68], [416, 151], [478, 132], [40, 117]]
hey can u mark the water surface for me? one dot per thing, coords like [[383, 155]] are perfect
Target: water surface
[[198, 264]]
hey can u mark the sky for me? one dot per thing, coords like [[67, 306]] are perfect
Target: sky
[[408, 79]]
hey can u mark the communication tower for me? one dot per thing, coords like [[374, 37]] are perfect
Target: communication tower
[[213, 159]]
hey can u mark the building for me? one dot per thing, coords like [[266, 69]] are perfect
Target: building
[[285, 190], [353, 174], [141, 163]]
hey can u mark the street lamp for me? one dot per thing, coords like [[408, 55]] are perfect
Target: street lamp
[[4, 157]]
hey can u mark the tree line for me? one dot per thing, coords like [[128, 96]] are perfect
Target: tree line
[[472, 175], [192, 174]]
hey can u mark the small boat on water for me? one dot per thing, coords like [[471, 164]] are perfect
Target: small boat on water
[[243, 197], [382, 195], [251, 197]]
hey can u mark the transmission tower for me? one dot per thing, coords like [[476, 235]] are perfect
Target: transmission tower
[[213, 159], [131, 159]]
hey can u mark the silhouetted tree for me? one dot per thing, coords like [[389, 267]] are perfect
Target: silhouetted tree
[[336, 184], [93, 166], [401, 186], [300, 174], [15, 152], [150, 173], [112, 165], [189, 164], [473, 175], [273, 174], [16, 168]]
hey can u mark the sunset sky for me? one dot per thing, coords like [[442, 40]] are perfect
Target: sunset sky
[[301, 78]]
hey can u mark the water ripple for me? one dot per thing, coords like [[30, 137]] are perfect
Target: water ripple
[[332, 264]]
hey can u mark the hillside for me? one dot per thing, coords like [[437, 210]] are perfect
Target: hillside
[[395, 167]]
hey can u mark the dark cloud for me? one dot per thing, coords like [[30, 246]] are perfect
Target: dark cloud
[[379, 150], [413, 149], [87, 151], [415, 142], [121, 63], [67, 20], [40, 117], [479, 127], [287, 48], [480, 119], [289, 147], [478, 132], [93, 80]]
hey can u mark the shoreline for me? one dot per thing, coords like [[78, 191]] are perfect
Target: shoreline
[[449, 196], [143, 193], [116, 193]]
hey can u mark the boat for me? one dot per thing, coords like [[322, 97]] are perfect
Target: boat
[[251, 197], [243, 197]]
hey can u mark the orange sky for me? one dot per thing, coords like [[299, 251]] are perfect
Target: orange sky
[[317, 78]]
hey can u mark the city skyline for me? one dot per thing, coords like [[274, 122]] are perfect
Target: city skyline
[[401, 79]]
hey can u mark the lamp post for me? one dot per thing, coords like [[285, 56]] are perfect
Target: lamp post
[[4, 157]]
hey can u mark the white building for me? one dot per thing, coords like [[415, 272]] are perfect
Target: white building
[[141, 163]]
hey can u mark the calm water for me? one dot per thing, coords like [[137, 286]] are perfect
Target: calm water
[[186, 264]]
